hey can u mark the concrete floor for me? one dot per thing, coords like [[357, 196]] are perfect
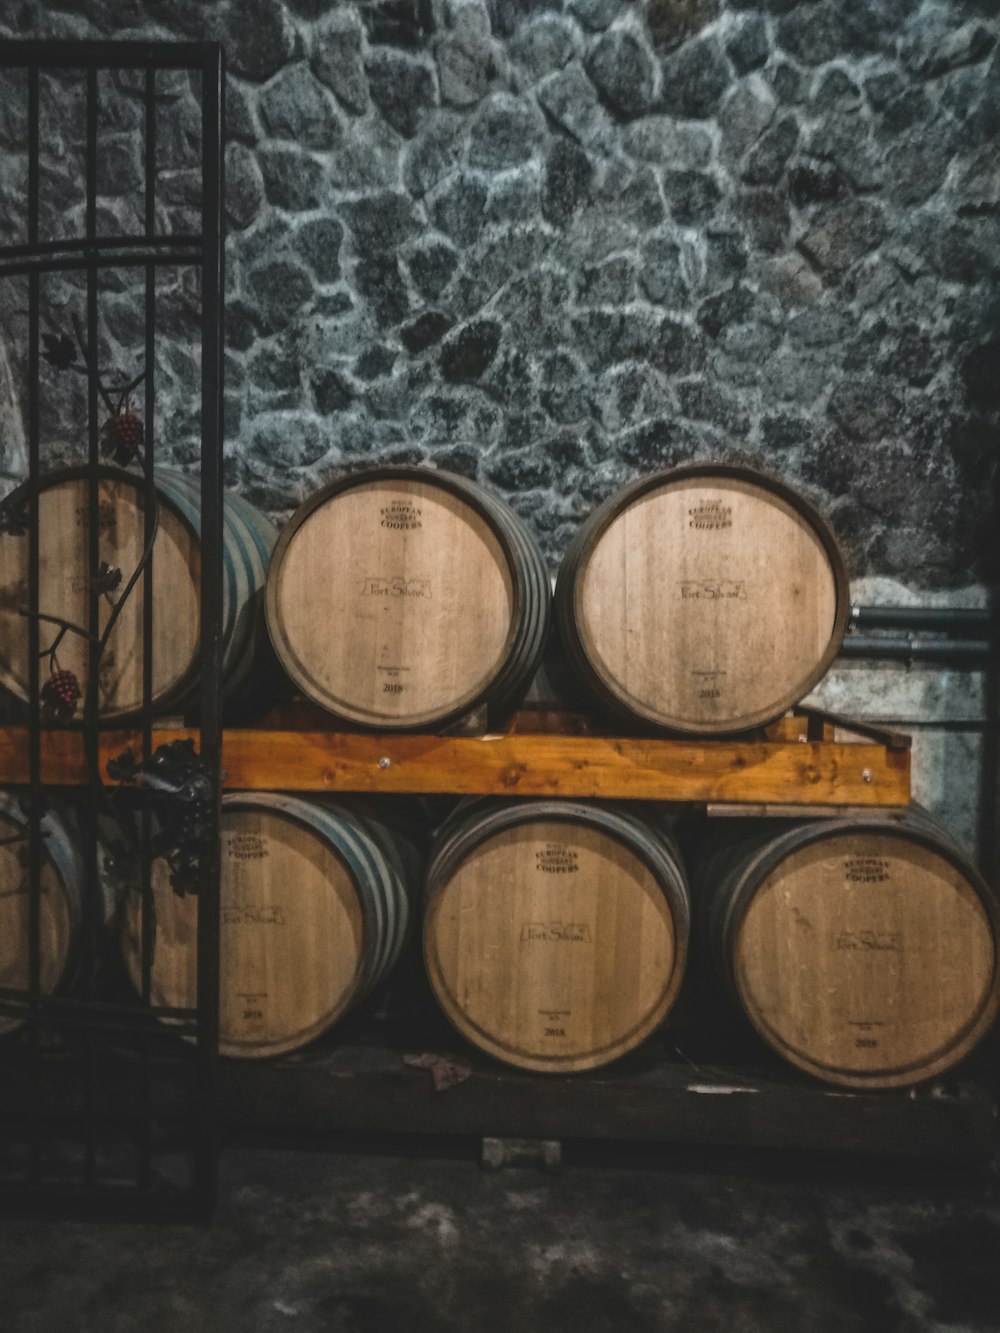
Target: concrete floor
[[332, 1243]]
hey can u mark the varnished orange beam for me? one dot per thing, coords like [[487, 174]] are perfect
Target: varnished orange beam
[[755, 772]]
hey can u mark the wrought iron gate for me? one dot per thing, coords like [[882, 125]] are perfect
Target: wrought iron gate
[[104, 1106]]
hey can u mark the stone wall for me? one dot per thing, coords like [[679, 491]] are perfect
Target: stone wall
[[554, 245]]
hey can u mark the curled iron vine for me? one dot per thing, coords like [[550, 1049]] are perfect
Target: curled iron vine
[[173, 787], [61, 353]]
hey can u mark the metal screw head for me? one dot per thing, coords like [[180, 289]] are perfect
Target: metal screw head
[[866, 775], [384, 762]]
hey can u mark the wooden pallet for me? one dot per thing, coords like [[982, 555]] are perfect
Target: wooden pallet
[[801, 762]]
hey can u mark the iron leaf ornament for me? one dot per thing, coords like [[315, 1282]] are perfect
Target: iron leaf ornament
[[176, 786]]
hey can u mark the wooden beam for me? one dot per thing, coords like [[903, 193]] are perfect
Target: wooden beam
[[745, 772], [369, 1090]]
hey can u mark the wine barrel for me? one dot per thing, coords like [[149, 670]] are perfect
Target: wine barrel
[[706, 600], [401, 598], [863, 950], [555, 932], [61, 881], [64, 586], [315, 909]]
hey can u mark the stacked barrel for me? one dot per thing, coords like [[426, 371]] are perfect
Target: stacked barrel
[[704, 601], [402, 598]]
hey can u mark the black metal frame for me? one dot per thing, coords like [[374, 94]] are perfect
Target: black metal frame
[[102, 1033]]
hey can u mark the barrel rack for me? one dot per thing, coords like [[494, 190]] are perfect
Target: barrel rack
[[805, 762], [396, 1069]]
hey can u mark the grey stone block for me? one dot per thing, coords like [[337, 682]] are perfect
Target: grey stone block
[[563, 392], [424, 331], [622, 68], [293, 181], [504, 133], [338, 62], [695, 79], [458, 208], [844, 233], [660, 274], [662, 139], [402, 87], [455, 415], [295, 106], [431, 262], [766, 161], [744, 116], [673, 21], [287, 440], [747, 45], [662, 442], [244, 187], [318, 243], [596, 14], [565, 181], [631, 393], [465, 64], [280, 288], [544, 45], [380, 282], [611, 282], [692, 197], [571, 100], [865, 408], [259, 39]]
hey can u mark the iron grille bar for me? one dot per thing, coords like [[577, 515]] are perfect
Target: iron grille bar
[[149, 510], [34, 662], [66, 247], [105, 259], [85, 1021], [212, 435], [57, 1004], [91, 724], [45, 54]]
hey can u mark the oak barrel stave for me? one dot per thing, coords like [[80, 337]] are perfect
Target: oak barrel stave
[[555, 932], [862, 950], [704, 600]]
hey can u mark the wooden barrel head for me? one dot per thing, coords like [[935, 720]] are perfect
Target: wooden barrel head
[[868, 959], [292, 944], [64, 582], [710, 602], [56, 921], [391, 601], [552, 946]]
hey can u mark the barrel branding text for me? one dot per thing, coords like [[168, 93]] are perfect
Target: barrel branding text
[[867, 941], [556, 932], [866, 870], [395, 586], [555, 859], [246, 847], [710, 514], [265, 915], [711, 590], [401, 515]]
